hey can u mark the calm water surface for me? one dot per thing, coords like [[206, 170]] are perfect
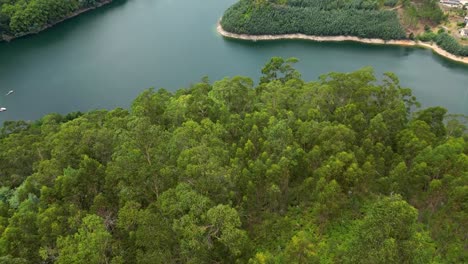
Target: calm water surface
[[105, 58]]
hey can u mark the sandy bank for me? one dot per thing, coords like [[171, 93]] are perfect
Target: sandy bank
[[434, 47]]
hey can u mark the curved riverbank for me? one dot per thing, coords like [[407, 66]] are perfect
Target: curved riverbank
[[434, 47], [9, 38]]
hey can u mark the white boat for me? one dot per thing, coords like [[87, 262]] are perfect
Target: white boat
[[2, 109], [10, 92]]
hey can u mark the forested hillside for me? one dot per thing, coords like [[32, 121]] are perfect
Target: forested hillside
[[19, 17], [345, 169], [361, 18]]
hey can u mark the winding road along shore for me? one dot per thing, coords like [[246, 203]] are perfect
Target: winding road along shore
[[434, 47]]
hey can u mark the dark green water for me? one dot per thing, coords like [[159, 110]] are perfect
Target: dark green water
[[103, 59]]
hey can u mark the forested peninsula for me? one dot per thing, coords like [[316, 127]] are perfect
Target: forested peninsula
[[23, 17], [369, 21], [345, 169]]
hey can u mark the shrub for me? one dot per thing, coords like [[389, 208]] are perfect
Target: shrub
[[390, 3], [450, 44]]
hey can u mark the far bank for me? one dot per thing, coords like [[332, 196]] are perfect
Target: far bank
[[20, 26], [376, 41]]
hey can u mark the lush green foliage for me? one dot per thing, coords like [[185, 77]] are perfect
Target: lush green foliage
[[332, 171], [450, 44], [18, 17], [312, 17], [361, 18], [446, 42], [333, 4]]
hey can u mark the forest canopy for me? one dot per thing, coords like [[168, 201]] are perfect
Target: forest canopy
[[19, 17], [345, 169], [361, 18]]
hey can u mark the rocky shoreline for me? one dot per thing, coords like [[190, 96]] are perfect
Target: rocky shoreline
[[434, 47]]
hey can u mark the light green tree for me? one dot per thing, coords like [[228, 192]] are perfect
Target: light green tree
[[89, 245]]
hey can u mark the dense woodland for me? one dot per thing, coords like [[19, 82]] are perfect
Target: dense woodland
[[19, 17], [346, 169], [361, 18], [445, 41]]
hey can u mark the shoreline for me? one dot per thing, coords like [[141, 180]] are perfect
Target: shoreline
[[407, 43], [8, 38]]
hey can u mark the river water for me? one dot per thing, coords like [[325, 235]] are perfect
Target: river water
[[105, 58]]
